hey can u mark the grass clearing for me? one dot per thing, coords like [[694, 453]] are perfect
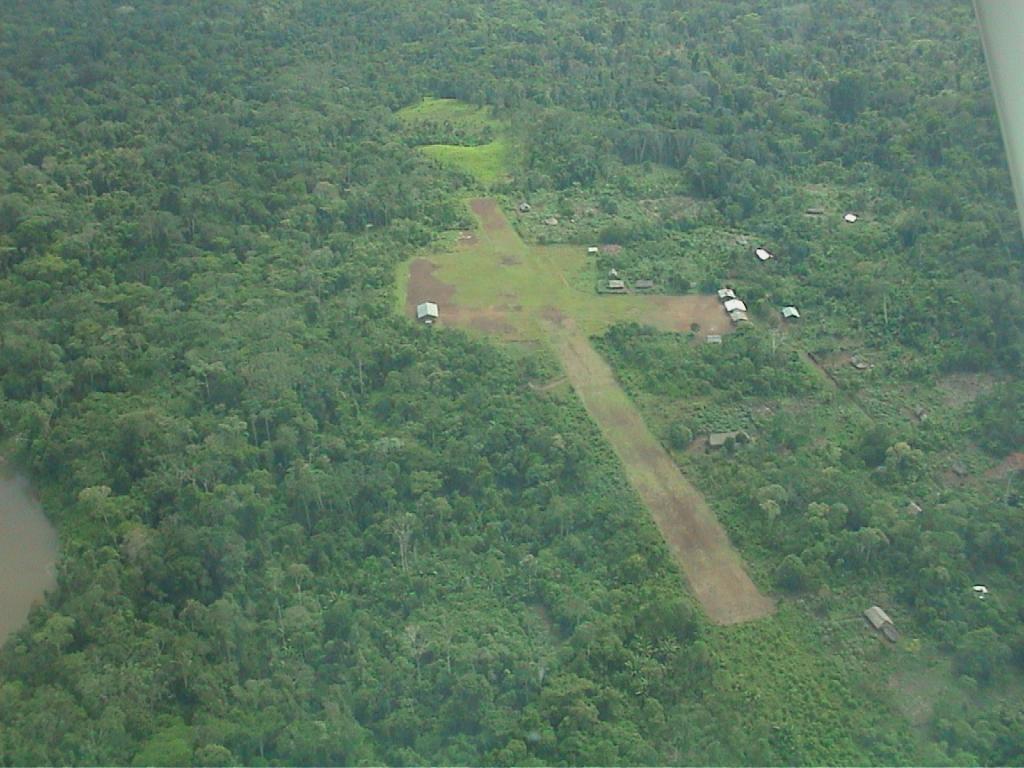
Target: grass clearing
[[493, 272], [463, 136], [452, 111], [488, 163]]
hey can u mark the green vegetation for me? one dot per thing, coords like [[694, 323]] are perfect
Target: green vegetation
[[473, 141], [298, 529], [488, 163]]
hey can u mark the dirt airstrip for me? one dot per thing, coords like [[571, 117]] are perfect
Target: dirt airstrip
[[548, 308]]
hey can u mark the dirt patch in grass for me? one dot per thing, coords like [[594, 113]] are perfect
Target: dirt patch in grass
[[491, 217], [698, 445], [554, 316], [1012, 463], [423, 286], [511, 261], [679, 313], [487, 320], [960, 389], [712, 567]]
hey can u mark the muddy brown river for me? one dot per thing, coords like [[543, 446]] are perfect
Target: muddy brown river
[[28, 551]]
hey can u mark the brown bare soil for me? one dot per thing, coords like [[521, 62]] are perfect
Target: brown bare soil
[[960, 389], [489, 321], [424, 286], [678, 313], [712, 567], [698, 445], [1012, 463], [491, 217], [554, 316]]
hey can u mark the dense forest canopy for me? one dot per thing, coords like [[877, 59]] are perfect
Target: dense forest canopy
[[296, 528]]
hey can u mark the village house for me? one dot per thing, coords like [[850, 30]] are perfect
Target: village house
[[616, 285], [726, 293], [719, 439], [791, 313], [734, 305], [763, 254], [643, 285], [880, 621], [427, 312]]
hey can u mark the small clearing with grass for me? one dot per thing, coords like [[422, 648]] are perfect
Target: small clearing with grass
[[492, 282], [461, 136]]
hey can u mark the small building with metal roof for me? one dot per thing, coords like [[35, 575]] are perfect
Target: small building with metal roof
[[880, 621], [427, 312]]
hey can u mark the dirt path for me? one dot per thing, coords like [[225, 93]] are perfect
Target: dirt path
[[711, 565]]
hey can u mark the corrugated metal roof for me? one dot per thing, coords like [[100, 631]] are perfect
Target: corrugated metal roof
[[877, 617], [426, 309]]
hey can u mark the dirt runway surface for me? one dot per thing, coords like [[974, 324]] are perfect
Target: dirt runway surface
[[711, 565]]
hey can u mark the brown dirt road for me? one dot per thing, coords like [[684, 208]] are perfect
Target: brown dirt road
[[712, 567]]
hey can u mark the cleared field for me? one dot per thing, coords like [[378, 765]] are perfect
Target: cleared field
[[487, 163], [480, 146], [492, 271], [491, 282]]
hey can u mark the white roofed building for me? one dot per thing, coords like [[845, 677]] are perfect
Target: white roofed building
[[427, 312]]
